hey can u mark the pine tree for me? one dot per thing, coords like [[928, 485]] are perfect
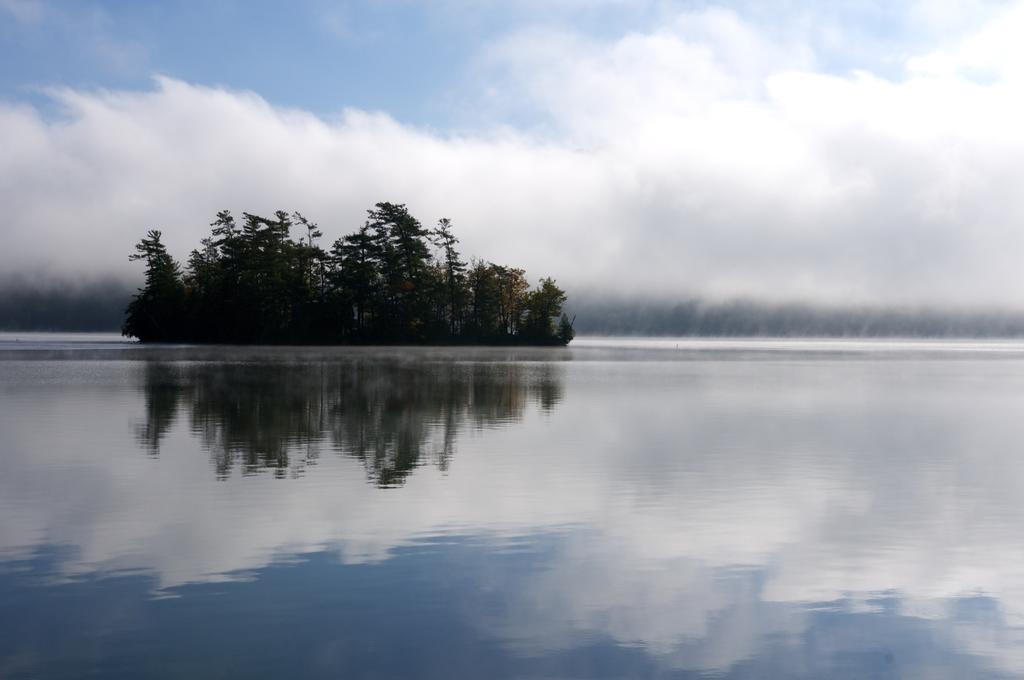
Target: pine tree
[[156, 313], [454, 274]]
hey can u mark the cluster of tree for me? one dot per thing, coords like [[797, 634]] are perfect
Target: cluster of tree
[[392, 281]]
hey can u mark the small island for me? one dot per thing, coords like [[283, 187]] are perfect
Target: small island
[[391, 282]]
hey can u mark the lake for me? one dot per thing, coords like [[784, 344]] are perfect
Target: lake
[[621, 508]]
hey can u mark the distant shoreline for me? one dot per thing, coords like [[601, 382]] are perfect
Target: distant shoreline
[[8, 337], [98, 307]]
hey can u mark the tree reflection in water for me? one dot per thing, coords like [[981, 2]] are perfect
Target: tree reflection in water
[[394, 416]]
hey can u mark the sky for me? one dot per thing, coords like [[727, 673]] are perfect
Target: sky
[[854, 152]]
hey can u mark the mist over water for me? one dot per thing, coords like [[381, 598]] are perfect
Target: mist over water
[[635, 508], [56, 304], [99, 306]]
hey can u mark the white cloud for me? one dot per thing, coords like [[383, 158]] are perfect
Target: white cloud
[[993, 52], [706, 156]]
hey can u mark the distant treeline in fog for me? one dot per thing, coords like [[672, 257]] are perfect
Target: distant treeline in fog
[[99, 305], [692, 317], [62, 305]]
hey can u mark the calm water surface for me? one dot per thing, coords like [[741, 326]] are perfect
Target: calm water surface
[[619, 509]]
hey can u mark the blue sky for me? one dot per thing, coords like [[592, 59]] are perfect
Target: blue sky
[[411, 59], [857, 151], [418, 61]]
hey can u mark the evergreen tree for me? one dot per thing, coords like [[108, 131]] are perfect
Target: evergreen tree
[[404, 259], [454, 274], [484, 320], [356, 258], [156, 313], [566, 332], [542, 306]]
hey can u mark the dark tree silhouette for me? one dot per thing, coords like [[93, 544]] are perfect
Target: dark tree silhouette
[[454, 274], [543, 305], [384, 283], [157, 312]]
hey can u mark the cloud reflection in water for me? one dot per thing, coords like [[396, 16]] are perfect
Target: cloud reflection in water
[[711, 514]]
